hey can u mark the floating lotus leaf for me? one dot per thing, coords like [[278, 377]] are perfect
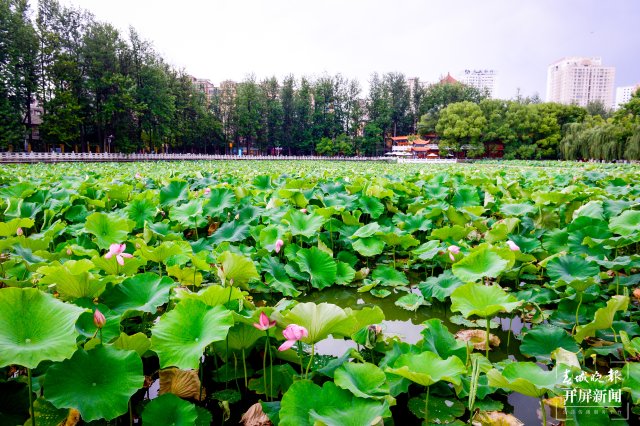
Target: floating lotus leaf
[[388, 276], [479, 264], [628, 223], [236, 267], [307, 404], [321, 267], [169, 410], [98, 383], [543, 339], [320, 320], [427, 368], [484, 301], [35, 327], [603, 318], [183, 333], [477, 338], [438, 339], [526, 378], [108, 228], [182, 383], [142, 293], [411, 302], [364, 380]]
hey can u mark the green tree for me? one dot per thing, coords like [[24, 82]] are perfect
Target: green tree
[[460, 127]]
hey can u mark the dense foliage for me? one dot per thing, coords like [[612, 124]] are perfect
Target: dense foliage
[[194, 274]]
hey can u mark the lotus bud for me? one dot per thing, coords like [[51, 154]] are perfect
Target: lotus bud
[[513, 246], [207, 191], [237, 216], [636, 293], [303, 211], [19, 232], [69, 251], [138, 176], [279, 245], [98, 319]]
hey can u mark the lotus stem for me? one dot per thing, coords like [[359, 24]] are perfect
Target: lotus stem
[[201, 378], [299, 344], [426, 407], [195, 227], [509, 334], [543, 413], [33, 413], [244, 367], [130, 414], [264, 368], [313, 352], [487, 343], [578, 310]]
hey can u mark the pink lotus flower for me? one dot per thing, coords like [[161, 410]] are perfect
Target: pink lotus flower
[[303, 210], [513, 246], [69, 251], [265, 323], [279, 245], [117, 250], [207, 191], [292, 333], [453, 250], [98, 319], [19, 232], [138, 176]]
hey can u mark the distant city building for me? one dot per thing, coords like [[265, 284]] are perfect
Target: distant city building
[[483, 80], [580, 81], [205, 87], [448, 80], [623, 94]]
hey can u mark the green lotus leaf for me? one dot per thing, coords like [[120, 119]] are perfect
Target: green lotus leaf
[[72, 279], [188, 214], [628, 223], [440, 410], [165, 250], [108, 228], [388, 276], [177, 190], [438, 339], [98, 383], [276, 277], [241, 336], [303, 224], [440, 287], [427, 368], [141, 210], [169, 410], [603, 318], [280, 378], [185, 275], [359, 318], [411, 302], [543, 339], [321, 267], [371, 206], [182, 334], [379, 292], [111, 266], [366, 231], [35, 327], [521, 209], [451, 233], [236, 267], [46, 414], [484, 301], [631, 380], [138, 342], [428, 250], [220, 199], [368, 247], [307, 404], [86, 325], [465, 196], [526, 245], [268, 237], [573, 271], [364, 380], [479, 264], [231, 232], [320, 320], [141, 293], [526, 378], [344, 273], [10, 228]]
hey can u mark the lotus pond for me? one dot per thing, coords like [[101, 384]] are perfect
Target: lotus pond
[[317, 293]]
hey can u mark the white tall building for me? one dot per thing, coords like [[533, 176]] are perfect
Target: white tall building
[[623, 94], [580, 80], [484, 80]]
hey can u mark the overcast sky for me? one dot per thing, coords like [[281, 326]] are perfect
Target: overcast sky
[[229, 39]]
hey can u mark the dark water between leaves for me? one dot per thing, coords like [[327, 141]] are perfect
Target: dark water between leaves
[[408, 326]]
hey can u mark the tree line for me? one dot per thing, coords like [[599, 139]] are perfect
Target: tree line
[[102, 89]]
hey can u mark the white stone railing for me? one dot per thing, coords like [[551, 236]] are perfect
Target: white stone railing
[[52, 157]]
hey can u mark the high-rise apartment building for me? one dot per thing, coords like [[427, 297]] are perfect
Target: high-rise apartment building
[[623, 94], [483, 80], [580, 81]]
